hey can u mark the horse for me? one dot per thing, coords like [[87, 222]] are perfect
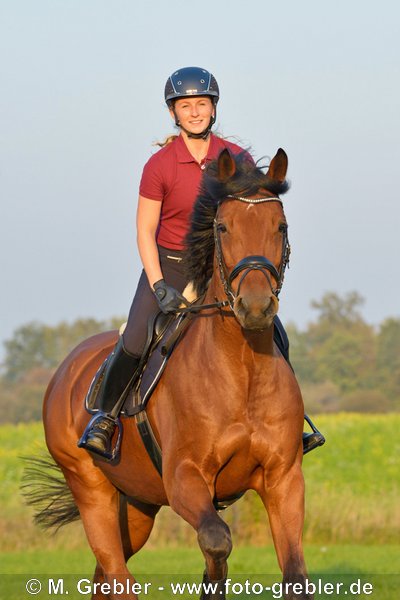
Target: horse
[[227, 412]]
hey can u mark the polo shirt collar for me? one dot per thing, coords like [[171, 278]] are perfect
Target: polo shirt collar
[[184, 156]]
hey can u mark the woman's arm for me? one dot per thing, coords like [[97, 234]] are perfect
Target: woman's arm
[[147, 220]]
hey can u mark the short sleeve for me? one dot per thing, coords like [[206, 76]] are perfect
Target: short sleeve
[[151, 183]]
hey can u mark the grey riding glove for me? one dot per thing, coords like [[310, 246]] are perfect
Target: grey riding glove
[[168, 298]]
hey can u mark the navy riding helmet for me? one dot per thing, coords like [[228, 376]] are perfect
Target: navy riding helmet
[[192, 81]]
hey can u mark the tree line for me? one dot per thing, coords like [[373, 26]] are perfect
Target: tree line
[[342, 363]]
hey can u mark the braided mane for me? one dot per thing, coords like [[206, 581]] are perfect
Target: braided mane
[[199, 244]]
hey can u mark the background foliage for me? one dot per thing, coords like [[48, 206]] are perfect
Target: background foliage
[[32, 356], [342, 363]]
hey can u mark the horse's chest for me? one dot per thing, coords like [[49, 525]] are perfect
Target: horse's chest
[[237, 452]]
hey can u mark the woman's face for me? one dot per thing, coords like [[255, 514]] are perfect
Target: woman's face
[[193, 114]]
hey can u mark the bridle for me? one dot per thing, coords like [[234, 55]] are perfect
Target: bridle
[[250, 263]]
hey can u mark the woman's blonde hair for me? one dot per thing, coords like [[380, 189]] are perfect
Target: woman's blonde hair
[[168, 140], [173, 136]]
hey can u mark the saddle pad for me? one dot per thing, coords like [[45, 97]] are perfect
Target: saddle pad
[[154, 367]]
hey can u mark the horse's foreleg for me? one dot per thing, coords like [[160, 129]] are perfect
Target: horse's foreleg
[[191, 497], [283, 497]]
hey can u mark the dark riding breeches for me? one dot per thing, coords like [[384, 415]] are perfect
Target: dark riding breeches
[[144, 305]]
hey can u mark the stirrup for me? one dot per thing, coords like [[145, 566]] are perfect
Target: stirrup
[[85, 443], [312, 440]]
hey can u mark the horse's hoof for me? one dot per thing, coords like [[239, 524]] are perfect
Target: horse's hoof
[[213, 590]]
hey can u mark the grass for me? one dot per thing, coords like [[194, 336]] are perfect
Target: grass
[[352, 519], [353, 483], [377, 565], [356, 559], [352, 490]]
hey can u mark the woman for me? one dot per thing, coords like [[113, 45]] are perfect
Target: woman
[[168, 190]]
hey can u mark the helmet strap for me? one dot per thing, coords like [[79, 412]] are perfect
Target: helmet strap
[[198, 136]]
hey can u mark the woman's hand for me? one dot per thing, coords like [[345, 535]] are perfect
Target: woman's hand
[[168, 298]]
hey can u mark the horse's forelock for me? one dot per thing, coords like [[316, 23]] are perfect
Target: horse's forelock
[[247, 180]]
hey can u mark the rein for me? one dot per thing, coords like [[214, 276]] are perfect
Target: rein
[[250, 263], [198, 307]]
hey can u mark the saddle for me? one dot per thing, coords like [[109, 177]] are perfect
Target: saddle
[[163, 334]]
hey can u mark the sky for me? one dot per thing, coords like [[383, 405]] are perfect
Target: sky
[[81, 106]]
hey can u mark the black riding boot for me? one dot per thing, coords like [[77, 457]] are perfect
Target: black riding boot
[[310, 440], [119, 371]]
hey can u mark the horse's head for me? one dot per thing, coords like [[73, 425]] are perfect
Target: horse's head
[[249, 235]]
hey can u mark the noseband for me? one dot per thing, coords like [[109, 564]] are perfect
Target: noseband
[[251, 263]]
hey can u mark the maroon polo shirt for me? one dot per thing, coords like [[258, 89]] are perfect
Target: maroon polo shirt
[[173, 177]]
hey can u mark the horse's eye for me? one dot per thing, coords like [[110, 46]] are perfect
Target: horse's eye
[[283, 227], [221, 228]]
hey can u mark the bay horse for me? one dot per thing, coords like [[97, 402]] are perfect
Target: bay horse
[[227, 413]]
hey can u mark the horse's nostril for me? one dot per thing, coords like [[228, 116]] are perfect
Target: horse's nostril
[[256, 306], [267, 306], [243, 304]]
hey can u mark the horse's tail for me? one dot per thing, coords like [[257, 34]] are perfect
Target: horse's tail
[[45, 489]]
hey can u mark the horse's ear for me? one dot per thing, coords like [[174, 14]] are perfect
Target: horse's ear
[[226, 165], [278, 166]]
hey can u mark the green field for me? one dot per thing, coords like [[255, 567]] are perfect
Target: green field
[[352, 517], [337, 559], [376, 565], [352, 491]]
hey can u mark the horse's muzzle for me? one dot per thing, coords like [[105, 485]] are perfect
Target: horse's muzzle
[[255, 311]]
